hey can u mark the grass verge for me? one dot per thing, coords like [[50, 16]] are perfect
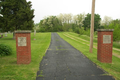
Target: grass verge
[[85, 38], [9, 70], [113, 69]]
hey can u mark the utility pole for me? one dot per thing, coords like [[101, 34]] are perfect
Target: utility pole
[[92, 26]]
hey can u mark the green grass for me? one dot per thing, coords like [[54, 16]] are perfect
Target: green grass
[[113, 69], [9, 70], [116, 44], [84, 37], [41, 74]]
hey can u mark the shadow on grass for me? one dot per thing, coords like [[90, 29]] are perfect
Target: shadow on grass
[[14, 62], [7, 39]]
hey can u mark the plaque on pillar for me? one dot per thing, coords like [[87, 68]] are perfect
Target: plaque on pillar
[[106, 39]]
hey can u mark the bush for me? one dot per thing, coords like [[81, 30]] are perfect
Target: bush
[[42, 29], [116, 32], [77, 30], [95, 33], [81, 31], [5, 50], [87, 32], [70, 30]]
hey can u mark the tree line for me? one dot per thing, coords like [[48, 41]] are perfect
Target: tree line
[[79, 23], [66, 22], [16, 15]]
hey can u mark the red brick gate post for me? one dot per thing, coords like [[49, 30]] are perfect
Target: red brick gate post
[[105, 43], [23, 47]]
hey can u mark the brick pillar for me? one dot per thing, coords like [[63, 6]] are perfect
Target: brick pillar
[[23, 47], [105, 43]]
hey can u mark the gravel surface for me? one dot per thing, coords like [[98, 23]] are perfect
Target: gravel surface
[[63, 62]]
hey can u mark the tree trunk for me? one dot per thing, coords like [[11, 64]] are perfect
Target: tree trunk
[[1, 35], [13, 34]]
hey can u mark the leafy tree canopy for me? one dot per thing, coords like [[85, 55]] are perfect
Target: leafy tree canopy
[[17, 15], [87, 22], [51, 23]]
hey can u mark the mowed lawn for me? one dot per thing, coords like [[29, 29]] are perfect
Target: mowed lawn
[[81, 43], [9, 70]]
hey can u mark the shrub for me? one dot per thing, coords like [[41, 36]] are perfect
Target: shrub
[[95, 33], [42, 29], [81, 30], [77, 30], [5, 50], [116, 32], [70, 30], [87, 32]]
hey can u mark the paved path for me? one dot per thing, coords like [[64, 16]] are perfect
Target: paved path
[[63, 62]]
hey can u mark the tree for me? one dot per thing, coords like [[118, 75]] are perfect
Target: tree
[[61, 18], [68, 17], [87, 22], [80, 18], [75, 19], [106, 21], [65, 18], [115, 24], [1, 22], [50, 23], [17, 15], [117, 21]]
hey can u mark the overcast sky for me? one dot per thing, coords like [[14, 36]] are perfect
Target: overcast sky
[[44, 8]]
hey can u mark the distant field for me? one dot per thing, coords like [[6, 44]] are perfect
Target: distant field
[[9, 70], [82, 44]]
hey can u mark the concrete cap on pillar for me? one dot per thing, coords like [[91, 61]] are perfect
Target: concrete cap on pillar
[[23, 31], [105, 29]]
